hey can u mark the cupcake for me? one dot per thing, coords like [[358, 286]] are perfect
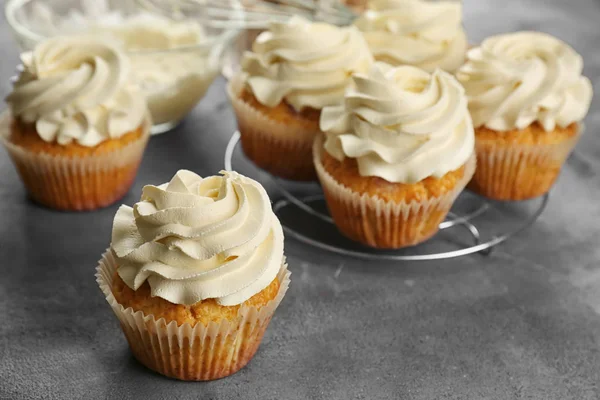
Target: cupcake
[[527, 98], [424, 34], [294, 70], [194, 274], [395, 155], [75, 129]]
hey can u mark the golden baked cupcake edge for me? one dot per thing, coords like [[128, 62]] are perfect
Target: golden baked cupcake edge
[[76, 129], [194, 274], [293, 71], [395, 155], [527, 97]]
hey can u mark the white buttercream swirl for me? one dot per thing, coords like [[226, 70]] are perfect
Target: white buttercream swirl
[[307, 64], [516, 79], [75, 89], [198, 238], [401, 124], [423, 34]]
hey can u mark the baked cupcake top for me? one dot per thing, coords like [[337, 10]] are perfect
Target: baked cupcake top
[[516, 79], [420, 33], [198, 238], [75, 89], [306, 64], [401, 124]]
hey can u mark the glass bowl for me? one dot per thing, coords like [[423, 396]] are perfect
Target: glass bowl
[[175, 52]]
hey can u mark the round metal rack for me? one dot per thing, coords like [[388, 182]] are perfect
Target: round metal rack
[[466, 221]]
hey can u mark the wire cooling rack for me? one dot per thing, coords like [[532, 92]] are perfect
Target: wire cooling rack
[[471, 214]]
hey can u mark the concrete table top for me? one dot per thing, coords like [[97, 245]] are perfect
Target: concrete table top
[[522, 323]]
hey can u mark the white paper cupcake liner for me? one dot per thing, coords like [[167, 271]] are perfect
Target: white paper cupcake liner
[[184, 352], [519, 172], [281, 149], [383, 224], [76, 183]]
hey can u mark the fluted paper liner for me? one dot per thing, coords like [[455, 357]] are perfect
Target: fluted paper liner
[[519, 172], [184, 352], [76, 183], [383, 224], [283, 150]]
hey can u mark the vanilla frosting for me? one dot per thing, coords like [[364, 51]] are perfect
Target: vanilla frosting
[[171, 62], [401, 124], [168, 63], [137, 29], [198, 238], [307, 64], [151, 32], [420, 33], [516, 79], [76, 89]]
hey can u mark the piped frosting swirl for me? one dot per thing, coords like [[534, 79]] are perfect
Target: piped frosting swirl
[[401, 124], [423, 34], [198, 238], [306, 64], [516, 79], [75, 89]]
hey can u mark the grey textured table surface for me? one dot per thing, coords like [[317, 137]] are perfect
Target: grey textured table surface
[[523, 323]]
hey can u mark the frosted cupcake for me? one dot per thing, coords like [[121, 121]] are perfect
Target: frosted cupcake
[[527, 98], [424, 34], [294, 70], [395, 155], [194, 274], [76, 129]]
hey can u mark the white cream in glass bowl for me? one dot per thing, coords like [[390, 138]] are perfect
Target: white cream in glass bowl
[[175, 58]]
